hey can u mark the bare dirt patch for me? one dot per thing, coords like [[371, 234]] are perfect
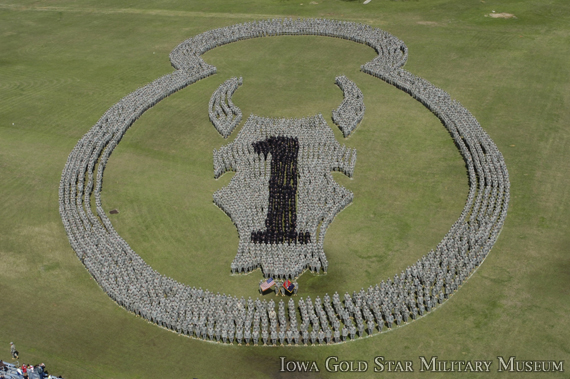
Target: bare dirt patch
[[501, 15], [428, 23]]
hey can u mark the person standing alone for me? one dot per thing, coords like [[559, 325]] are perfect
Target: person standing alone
[[13, 351]]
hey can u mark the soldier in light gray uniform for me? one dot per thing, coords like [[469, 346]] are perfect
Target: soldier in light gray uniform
[[264, 336], [296, 336], [247, 336], [13, 351], [305, 337], [239, 334], [321, 337], [218, 332], [414, 313], [352, 331], [313, 337], [422, 309], [211, 332], [231, 335], [289, 336], [336, 336], [398, 318], [406, 314], [344, 332], [370, 326]]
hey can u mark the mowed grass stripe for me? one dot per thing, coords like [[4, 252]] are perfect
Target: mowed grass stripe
[[135, 11]]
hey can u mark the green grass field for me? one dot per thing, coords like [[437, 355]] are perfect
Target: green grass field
[[64, 63]]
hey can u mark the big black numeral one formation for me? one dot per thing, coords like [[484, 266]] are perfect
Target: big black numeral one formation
[[281, 221], [283, 196]]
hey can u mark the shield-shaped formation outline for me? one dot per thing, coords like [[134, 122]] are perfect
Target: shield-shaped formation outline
[[283, 197], [198, 313]]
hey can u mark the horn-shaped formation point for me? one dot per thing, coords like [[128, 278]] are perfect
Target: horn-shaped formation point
[[223, 113], [351, 111]]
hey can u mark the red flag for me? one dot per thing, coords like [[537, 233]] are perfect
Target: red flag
[[288, 286]]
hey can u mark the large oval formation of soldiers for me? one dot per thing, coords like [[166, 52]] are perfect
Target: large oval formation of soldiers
[[277, 227]]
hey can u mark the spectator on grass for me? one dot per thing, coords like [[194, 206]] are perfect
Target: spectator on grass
[[41, 371], [13, 351]]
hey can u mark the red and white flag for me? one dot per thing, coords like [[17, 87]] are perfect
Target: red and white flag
[[267, 284]]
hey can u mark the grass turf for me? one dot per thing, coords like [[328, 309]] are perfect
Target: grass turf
[[64, 64]]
